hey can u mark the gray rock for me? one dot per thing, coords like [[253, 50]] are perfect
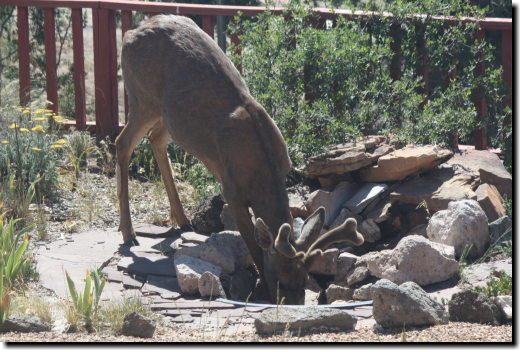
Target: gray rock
[[474, 307], [479, 274], [505, 303], [227, 219], [210, 286], [182, 319], [24, 324], [498, 228], [491, 201], [364, 196], [189, 270], [135, 324], [416, 259], [345, 263], [282, 319], [206, 217], [363, 293], [298, 226], [370, 231], [143, 264], [325, 264], [193, 237], [335, 292], [358, 274], [331, 201], [405, 305], [343, 215], [225, 249], [463, 224]]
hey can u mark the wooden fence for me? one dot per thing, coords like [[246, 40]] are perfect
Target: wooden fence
[[106, 57]]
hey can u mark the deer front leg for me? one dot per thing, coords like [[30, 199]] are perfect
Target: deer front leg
[[125, 144], [159, 139]]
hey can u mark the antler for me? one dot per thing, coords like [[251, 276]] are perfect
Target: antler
[[311, 229]]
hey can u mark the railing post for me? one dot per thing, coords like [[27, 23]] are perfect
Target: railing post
[[79, 69], [126, 24], [105, 73], [208, 25], [423, 69], [480, 136], [236, 42], [396, 62], [50, 58], [22, 22], [507, 64]]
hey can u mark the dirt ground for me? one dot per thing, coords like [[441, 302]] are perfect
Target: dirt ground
[[453, 332]]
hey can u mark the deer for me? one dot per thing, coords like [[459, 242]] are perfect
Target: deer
[[181, 86]]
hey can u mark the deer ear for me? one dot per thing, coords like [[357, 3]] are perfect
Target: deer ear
[[262, 234]]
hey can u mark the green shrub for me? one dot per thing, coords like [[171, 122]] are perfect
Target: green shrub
[[497, 286]]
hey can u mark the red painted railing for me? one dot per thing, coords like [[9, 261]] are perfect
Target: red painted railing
[[106, 56]]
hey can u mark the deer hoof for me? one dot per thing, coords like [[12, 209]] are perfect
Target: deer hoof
[[131, 242]]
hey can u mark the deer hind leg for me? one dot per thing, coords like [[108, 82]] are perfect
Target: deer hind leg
[[159, 139], [128, 139]]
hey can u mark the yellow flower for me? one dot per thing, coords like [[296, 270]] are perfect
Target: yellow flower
[[56, 146], [38, 128], [5, 142], [36, 149], [49, 114], [14, 125], [40, 111], [60, 141], [26, 111], [39, 119], [58, 119], [23, 129]]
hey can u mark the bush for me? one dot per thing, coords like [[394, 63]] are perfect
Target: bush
[[497, 286], [329, 85]]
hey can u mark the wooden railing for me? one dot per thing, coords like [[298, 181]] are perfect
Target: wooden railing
[[106, 56]]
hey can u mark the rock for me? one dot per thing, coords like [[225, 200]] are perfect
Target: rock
[[364, 196], [325, 264], [479, 274], [436, 189], [505, 304], [242, 284], [363, 293], [227, 219], [331, 201], [210, 286], [24, 324], [488, 166], [225, 249], [474, 307], [339, 160], [135, 324], [498, 228], [416, 259], [177, 244], [282, 319], [343, 215], [491, 201], [312, 292], [206, 218], [298, 226], [297, 206], [193, 237], [405, 305], [463, 224], [380, 213], [370, 231], [189, 270], [404, 162], [335, 292], [359, 273], [345, 263], [143, 264]]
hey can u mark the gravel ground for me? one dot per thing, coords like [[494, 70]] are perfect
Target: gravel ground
[[453, 332]]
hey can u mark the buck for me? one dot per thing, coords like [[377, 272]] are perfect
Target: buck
[[181, 86]]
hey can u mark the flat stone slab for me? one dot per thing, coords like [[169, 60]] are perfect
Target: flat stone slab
[[364, 196], [279, 320], [149, 230], [161, 285], [191, 304], [193, 237], [480, 274], [147, 264]]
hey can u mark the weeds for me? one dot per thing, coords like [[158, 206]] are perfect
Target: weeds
[[111, 315], [497, 286], [32, 306]]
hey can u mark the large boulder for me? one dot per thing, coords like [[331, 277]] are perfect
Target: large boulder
[[209, 285], [405, 305], [491, 201], [473, 307], [505, 304], [345, 263], [436, 189], [331, 201], [189, 271], [479, 274], [363, 293], [499, 229], [206, 216], [463, 224], [225, 249], [487, 166], [338, 293], [283, 319], [416, 259], [404, 162]]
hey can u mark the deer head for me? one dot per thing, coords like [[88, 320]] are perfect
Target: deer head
[[286, 260]]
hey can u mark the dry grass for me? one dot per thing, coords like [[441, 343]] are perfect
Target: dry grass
[[31, 305]]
